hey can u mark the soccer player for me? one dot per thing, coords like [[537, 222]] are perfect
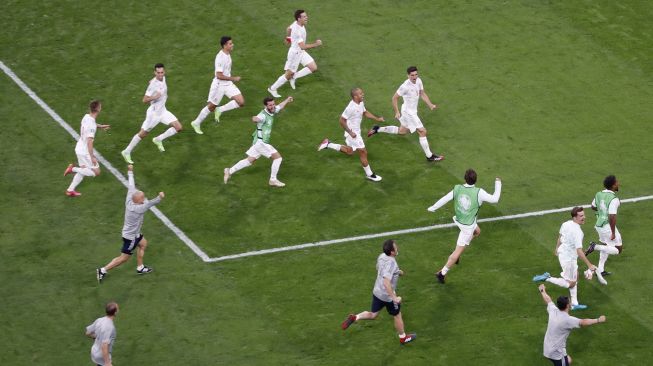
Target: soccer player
[[87, 163], [568, 248], [350, 121], [559, 326], [384, 293], [103, 331], [296, 35], [156, 95], [136, 205], [411, 90], [467, 201], [606, 204], [261, 144], [222, 84]]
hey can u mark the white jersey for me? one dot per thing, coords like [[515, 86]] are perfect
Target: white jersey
[[410, 92], [156, 86], [223, 65], [297, 35], [105, 333], [354, 116], [86, 130], [571, 238]]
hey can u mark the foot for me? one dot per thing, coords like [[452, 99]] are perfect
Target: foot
[[440, 277], [144, 270], [99, 275], [217, 114], [196, 127], [323, 145], [227, 175], [292, 83], [158, 144], [578, 307], [374, 177], [435, 157], [277, 183], [590, 249], [127, 156], [274, 93], [605, 273], [542, 277], [373, 131], [73, 194], [599, 277], [408, 338], [351, 318], [68, 170]]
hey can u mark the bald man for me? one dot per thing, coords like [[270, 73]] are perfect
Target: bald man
[[136, 205]]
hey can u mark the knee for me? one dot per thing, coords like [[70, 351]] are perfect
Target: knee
[[422, 132], [142, 244], [96, 172], [178, 127], [348, 150], [314, 68], [142, 134], [241, 102], [211, 107]]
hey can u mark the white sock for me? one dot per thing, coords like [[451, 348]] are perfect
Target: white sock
[[169, 132], [333, 146], [229, 106], [444, 270], [402, 335], [203, 113], [87, 172], [279, 83], [607, 249], [135, 140], [603, 257], [425, 146], [389, 129], [574, 295], [368, 170], [239, 165], [301, 73], [558, 281], [138, 268], [276, 163], [78, 178], [103, 270]]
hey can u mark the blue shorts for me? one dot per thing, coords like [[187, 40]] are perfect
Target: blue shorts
[[378, 304], [561, 362], [128, 245]]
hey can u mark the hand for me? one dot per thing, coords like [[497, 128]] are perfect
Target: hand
[[433, 106], [287, 40], [397, 300], [401, 273], [555, 252], [613, 236], [541, 287], [156, 96], [104, 127], [397, 116], [318, 42], [498, 179], [352, 134], [602, 319], [592, 267], [290, 99], [235, 79], [93, 160], [130, 168], [161, 194], [380, 119]]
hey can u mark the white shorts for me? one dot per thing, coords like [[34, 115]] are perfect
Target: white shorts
[[355, 143], [85, 160], [605, 233], [410, 121], [218, 91], [261, 148], [295, 58], [569, 269], [152, 118], [466, 233]]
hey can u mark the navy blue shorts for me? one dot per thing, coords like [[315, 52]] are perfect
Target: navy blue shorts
[[561, 362], [378, 304], [128, 246]]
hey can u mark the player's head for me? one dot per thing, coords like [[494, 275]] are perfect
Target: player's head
[[138, 197], [269, 104], [412, 73], [390, 247], [357, 95], [470, 177], [562, 303], [300, 16], [226, 43], [159, 71], [95, 106], [111, 309], [610, 182], [578, 215]]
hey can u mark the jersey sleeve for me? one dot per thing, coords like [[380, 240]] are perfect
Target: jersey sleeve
[[219, 63], [346, 114], [151, 89], [572, 322], [401, 91], [388, 270], [550, 307], [614, 206], [91, 328], [420, 85], [260, 117]]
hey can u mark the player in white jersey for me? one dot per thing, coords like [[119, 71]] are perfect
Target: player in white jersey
[[411, 91], [296, 37], [350, 121], [156, 95], [568, 249], [222, 84], [87, 163], [103, 332]]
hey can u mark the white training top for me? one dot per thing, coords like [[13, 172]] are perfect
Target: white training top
[[354, 116], [410, 92], [86, 130], [223, 65], [557, 331], [297, 35], [571, 238], [105, 332], [614, 204], [156, 86]]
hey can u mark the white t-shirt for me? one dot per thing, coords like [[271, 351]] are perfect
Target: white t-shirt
[[297, 35], [614, 204], [154, 87], [354, 115], [105, 332], [557, 331], [86, 130], [410, 92], [223, 65], [571, 238]]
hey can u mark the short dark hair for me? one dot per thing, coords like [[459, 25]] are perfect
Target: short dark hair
[[94, 106], [562, 302], [267, 100], [609, 181], [298, 13], [411, 69], [470, 177], [576, 210], [111, 308], [353, 91], [158, 66], [224, 40], [388, 246]]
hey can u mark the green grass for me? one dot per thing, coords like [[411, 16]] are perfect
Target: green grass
[[550, 96]]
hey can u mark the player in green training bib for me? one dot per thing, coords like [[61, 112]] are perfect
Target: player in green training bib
[[261, 142], [467, 200]]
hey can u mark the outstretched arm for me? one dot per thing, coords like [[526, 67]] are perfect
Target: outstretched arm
[[491, 198], [441, 202], [545, 296], [369, 114], [283, 104], [588, 322]]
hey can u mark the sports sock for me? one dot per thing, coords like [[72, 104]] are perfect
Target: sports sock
[[87, 172], [138, 268], [78, 178], [135, 140], [574, 295], [368, 170], [402, 335], [604, 249], [203, 113], [103, 270], [276, 163], [389, 129], [239, 165], [444, 270], [301, 73], [558, 281], [279, 83], [333, 146], [169, 132], [229, 106], [425, 146], [603, 257]]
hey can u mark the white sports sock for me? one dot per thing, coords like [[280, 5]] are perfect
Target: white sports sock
[[368, 170], [103, 270], [574, 295], [239, 165], [203, 113], [169, 132], [78, 178], [425, 146], [135, 140], [301, 73], [279, 83], [389, 129], [603, 257], [558, 281], [87, 172], [138, 268], [333, 146], [276, 163], [607, 249], [229, 106], [402, 335], [444, 270]]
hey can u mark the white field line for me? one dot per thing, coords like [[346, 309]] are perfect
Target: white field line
[[180, 234]]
